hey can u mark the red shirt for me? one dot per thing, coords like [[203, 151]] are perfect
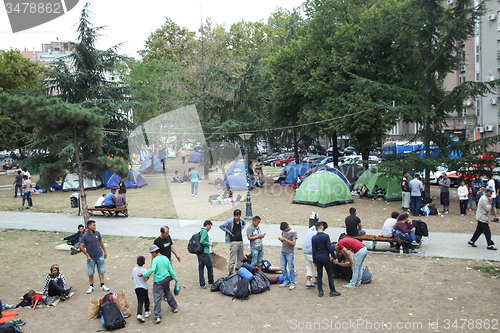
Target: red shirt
[[38, 297], [350, 244]]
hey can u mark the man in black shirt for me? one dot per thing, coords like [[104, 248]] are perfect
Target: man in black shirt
[[353, 224], [164, 242], [233, 229]]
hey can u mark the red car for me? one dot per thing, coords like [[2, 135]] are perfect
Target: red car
[[468, 173], [284, 160], [491, 155]]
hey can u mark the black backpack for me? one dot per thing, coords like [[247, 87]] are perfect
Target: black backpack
[[260, 283], [421, 228], [194, 245], [243, 289], [228, 285], [9, 327], [217, 284], [111, 317]]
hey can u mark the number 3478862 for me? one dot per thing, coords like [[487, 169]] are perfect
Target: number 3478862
[[33, 8]]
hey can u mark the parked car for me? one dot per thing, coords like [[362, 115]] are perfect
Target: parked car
[[284, 160], [271, 159], [349, 151], [436, 176], [311, 159], [329, 151], [491, 155], [316, 149], [468, 173]]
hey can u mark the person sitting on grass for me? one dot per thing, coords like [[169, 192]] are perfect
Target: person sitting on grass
[[404, 227], [379, 190], [35, 299], [74, 239], [55, 284], [176, 178], [363, 192]]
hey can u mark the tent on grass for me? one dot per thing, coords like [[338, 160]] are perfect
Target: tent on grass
[[196, 157], [134, 180], [365, 177], [70, 183], [392, 187], [147, 164], [236, 177], [323, 189], [296, 171], [352, 172], [315, 168], [289, 167], [340, 174]]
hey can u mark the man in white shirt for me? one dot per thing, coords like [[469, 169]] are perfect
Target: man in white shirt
[[416, 195], [491, 185], [389, 225], [310, 269], [100, 201]]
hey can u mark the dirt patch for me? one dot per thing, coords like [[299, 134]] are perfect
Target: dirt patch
[[412, 291]]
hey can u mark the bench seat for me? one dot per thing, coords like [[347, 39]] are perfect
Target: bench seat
[[108, 211], [378, 238]]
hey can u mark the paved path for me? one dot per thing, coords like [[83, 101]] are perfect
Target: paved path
[[448, 245]]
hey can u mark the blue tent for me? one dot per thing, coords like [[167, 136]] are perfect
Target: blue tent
[[196, 157], [288, 167], [236, 177], [238, 167], [296, 171], [340, 174], [147, 164], [134, 180]]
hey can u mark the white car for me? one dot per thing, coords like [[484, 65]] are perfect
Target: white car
[[357, 159], [435, 176]]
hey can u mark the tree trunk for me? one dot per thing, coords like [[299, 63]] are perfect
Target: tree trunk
[[83, 196], [295, 146], [335, 150]]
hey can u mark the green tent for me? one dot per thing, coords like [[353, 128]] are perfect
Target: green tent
[[323, 189], [171, 153], [392, 186], [365, 177]]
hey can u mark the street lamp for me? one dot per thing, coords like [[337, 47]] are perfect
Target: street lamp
[[245, 137]]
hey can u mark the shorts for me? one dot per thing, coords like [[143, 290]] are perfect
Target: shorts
[[257, 257], [101, 269], [497, 199], [310, 271], [494, 203], [405, 196], [445, 198]]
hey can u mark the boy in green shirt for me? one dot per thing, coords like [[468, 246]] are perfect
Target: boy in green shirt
[[163, 274], [205, 259]]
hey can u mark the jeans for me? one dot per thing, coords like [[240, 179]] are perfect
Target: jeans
[[160, 288], [287, 258], [101, 268], [361, 232], [415, 205], [470, 203], [482, 228], [320, 263], [257, 257], [463, 206], [20, 190], [357, 271], [194, 188], [205, 259], [411, 238], [27, 196], [142, 299]]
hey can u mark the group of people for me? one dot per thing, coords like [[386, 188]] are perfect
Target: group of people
[[113, 200]]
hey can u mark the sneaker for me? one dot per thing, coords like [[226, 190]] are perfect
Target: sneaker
[[104, 288], [414, 243], [470, 209], [462, 214], [7, 307], [358, 284], [175, 310], [292, 286], [18, 322], [310, 286], [284, 284], [140, 318], [74, 251], [69, 291], [447, 212], [414, 251], [196, 196], [90, 290], [443, 211], [348, 286], [158, 320], [472, 244], [147, 314], [192, 195], [491, 248], [203, 287], [495, 220], [29, 207], [22, 208], [334, 293]]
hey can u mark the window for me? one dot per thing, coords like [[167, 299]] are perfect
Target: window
[[477, 54], [395, 130], [478, 107], [461, 78], [56, 49], [477, 76]]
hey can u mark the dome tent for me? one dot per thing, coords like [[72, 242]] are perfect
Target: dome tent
[[365, 177], [147, 164], [134, 180], [296, 171], [236, 177], [323, 189], [196, 157], [352, 172], [392, 187], [70, 183]]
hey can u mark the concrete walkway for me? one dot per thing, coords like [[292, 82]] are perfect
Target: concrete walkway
[[448, 245]]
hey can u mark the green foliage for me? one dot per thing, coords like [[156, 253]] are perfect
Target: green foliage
[[492, 271]]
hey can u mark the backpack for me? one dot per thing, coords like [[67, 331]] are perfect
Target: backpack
[[243, 289], [217, 284], [260, 283], [432, 210], [8, 327], [366, 276], [421, 228], [194, 245], [228, 285], [111, 317]]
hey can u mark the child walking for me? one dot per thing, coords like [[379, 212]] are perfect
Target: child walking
[[141, 289], [463, 196]]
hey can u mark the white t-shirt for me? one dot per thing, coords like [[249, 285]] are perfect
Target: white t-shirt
[[99, 202], [491, 184], [388, 226], [463, 192]]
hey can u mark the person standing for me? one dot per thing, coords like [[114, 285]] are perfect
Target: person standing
[[483, 218], [308, 255], [258, 169], [477, 185], [416, 195], [322, 248], [18, 182], [205, 259], [166, 245], [234, 229], [357, 260], [183, 156], [255, 236], [463, 197], [353, 224], [288, 239], [141, 289], [163, 274], [492, 186], [445, 193], [405, 191], [27, 193], [92, 246], [193, 175]]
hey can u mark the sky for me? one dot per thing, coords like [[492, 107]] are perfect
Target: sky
[[132, 22]]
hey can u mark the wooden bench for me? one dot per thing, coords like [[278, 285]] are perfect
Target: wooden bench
[[374, 239], [108, 211]]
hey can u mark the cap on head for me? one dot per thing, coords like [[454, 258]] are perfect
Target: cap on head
[[153, 248], [488, 190]]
